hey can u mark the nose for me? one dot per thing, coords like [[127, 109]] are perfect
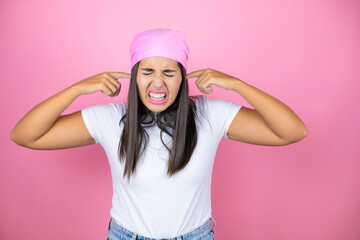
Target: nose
[[158, 82]]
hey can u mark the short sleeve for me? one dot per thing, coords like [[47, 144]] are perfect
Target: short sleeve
[[221, 114], [99, 119]]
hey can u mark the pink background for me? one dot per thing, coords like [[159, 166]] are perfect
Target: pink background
[[305, 53]]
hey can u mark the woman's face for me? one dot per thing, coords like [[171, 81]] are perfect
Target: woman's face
[[158, 82]]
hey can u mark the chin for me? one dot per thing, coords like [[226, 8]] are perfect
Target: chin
[[154, 108]]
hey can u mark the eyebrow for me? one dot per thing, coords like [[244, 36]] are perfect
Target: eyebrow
[[151, 70]]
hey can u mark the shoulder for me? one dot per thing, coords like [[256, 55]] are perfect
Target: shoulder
[[217, 110], [200, 100], [207, 103], [105, 112], [112, 108]]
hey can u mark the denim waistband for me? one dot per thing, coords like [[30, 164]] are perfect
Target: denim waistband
[[197, 233]]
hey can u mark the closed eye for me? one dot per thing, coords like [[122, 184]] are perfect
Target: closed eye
[[164, 74]]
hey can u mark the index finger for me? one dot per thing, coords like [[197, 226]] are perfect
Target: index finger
[[194, 74], [120, 75]]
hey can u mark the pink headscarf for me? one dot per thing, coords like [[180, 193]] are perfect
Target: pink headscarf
[[160, 42]]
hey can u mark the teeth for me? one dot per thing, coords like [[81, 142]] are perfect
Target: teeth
[[161, 95], [157, 99]]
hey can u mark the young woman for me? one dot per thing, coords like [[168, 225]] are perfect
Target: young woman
[[161, 145]]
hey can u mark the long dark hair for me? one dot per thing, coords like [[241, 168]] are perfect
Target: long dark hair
[[179, 118]]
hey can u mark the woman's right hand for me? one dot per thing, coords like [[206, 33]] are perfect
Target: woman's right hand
[[105, 82]]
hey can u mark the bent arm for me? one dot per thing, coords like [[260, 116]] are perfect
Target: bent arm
[[43, 127], [271, 122]]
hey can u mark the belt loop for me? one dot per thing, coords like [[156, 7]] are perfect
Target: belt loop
[[213, 227], [109, 223], [134, 236]]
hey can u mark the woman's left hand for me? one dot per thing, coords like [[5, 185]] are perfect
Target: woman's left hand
[[207, 77]]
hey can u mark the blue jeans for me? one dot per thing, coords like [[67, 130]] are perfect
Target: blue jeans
[[204, 232]]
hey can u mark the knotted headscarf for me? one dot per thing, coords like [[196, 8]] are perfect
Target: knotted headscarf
[[160, 42]]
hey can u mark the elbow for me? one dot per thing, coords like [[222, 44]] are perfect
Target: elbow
[[15, 138], [295, 137], [12, 136], [301, 136], [301, 133], [304, 133], [298, 137]]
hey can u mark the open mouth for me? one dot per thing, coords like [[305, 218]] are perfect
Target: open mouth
[[157, 97]]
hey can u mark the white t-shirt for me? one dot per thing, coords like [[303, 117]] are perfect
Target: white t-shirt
[[152, 204]]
